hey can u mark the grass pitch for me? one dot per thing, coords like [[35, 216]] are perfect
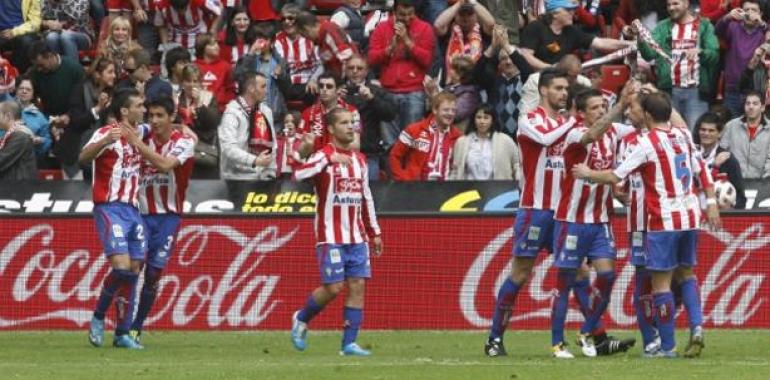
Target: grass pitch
[[729, 354]]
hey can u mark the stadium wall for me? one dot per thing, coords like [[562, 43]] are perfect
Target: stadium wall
[[439, 271]]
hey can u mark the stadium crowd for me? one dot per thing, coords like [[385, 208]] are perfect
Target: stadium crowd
[[436, 87]]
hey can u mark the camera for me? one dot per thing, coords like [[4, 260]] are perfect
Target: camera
[[352, 89]]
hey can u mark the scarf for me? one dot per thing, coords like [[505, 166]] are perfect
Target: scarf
[[458, 47], [437, 166], [261, 136]]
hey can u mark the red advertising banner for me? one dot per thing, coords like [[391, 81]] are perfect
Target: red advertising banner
[[436, 273]]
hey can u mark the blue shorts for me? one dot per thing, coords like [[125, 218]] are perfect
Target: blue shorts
[[667, 250], [338, 262], [161, 237], [574, 242], [637, 249], [532, 231], [120, 229]]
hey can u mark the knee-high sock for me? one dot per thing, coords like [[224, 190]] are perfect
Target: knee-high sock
[[604, 283], [124, 303], [352, 318], [147, 297], [664, 319], [643, 304], [564, 283], [583, 291], [691, 300], [506, 298], [310, 310], [112, 283]]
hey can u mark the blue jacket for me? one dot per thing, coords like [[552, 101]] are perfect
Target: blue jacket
[[36, 121]]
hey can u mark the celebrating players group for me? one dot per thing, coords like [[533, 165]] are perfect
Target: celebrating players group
[[576, 157]]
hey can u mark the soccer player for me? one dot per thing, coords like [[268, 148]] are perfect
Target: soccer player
[[668, 160], [345, 221], [582, 229], [116, 168], [541, 143], [166, 170]]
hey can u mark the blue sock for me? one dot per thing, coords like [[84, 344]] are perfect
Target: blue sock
[[310, 310], [112, 283], [582, 292], [691, 300], [643, 305], [124, 300], [664, 319], [564, 283], [506, 298], [604, 283], [148, 295], [352, 318]]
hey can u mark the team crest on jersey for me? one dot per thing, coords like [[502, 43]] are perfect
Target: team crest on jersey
[[348, 185], [422, 144], [556, 149]]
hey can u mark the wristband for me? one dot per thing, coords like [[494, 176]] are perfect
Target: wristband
[[711, 202]]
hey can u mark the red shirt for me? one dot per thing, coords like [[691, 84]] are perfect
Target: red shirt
[[229, 53], [334, 47], [313, 121], [752, 130], [262, 10], [404, 70], [217, 78], [422, 152]]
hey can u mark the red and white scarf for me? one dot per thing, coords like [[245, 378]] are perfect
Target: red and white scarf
[[459, 47]]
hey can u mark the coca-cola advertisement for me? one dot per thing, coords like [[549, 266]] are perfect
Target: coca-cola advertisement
[[439, 272]]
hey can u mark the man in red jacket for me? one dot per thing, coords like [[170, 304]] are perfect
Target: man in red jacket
[[216, 73], [424, 149], [403, 48]]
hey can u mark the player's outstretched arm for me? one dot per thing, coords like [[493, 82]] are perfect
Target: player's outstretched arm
[[601, 126], [92, 149], [601, 176]]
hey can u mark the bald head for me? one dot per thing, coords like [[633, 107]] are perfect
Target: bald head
[[571, 64], [9, 112]]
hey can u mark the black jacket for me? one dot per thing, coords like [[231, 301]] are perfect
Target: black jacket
[[733, 170], [380, 108], [17, 157]]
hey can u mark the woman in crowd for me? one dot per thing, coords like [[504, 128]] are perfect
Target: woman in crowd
[[484, 153], [67, 27], [118, 43], [232, 41], [197, 108], [33, 118]]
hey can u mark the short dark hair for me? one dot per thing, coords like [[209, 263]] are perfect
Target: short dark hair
[[175, 55], [758, 94], [333, 115], [22, 78], [658, 105], [710, 118], [581, 99], [244, 77], [201, 41], [489, 110], [122, 99], [305, 19], [40, 49], [549, 74], [140, 56], [164, 102], [259, 30], [329, 75], [403, 3], [760, 4]]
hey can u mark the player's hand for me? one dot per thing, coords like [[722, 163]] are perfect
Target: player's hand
[[631, 87], [112, 136], [712, 211], [131, 136], [377, 247], [581, 171], [620, 194], [263, 159], [338, 158]]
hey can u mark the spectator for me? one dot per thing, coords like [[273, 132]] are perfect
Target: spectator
[[502, 79], [755, 76], [263, 59], [463, 87], [460, 28], [147, 34], [141, 77], [719, 160], [197, 106], [334, 46], [691, 82], [403, 48], [67, 26], [301, 56], [263, 10], [232, 41], [216, 73], [747, 138], [19, 23], [424, 149], [88, 103], [484, 153], [17, 152], [246, 132], [8, 75], [429, 10], [375, 107], [117, 8], [33, 118], [181, 21], [716, 9], [649, 12], [288, 145], [530, 95], [744, 31], [349, 18], [314, 117], [176, 59], [506, 13], [118, 43], [588, 16], [548, 39]]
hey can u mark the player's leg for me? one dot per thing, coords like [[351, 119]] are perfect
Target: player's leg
[[690, 291], [570, 249], [644, 309], [126, 296], [661, 263], [357, 270]]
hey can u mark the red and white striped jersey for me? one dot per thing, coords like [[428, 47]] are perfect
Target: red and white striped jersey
[[585, 201], [334, 47], [684, 72], [345, 207], [669, 164], [314, 120], [301, 56], [163, 193], [116, 169], [541, 145], [184, 26], [635, 216]]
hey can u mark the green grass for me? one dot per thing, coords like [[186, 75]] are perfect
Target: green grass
[[736, 354]]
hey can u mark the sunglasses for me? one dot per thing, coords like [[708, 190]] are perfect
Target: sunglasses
[[288, 18], [329, 86]]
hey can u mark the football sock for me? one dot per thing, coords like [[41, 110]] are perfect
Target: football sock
[[604, 283], [149, 293], [506, 298], [310, 310], [352, 318], [124, 299], [582, 291], [564, 283], [643, 305], [691, 300], [112, 283], [664, 319]]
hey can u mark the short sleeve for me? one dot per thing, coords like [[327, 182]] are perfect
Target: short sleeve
[[530, 36], [183, 149]]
